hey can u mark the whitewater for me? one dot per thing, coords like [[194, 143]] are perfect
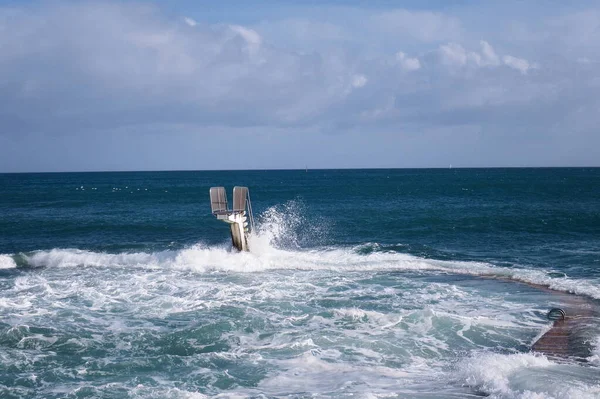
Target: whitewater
[[209, 321], [113, 294]]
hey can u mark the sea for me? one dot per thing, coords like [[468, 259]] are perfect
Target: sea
[[373, 283]]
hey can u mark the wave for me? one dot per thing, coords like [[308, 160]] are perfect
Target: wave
[[276, 246], [595, 352], [526, 376], [7, 262], [202, 258]]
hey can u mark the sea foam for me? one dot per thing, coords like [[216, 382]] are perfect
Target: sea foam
[[526, 376], [275, 246], [7, 262], [202, 258]]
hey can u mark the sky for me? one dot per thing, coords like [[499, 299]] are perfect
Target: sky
[[200, 85]]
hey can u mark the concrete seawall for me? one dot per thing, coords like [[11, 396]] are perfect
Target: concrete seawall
[[571, 337]]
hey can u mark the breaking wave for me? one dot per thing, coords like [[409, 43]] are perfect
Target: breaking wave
[[270, 251], [7, 262], [526, 376], [276, 246], [202, 258], [307, 332]]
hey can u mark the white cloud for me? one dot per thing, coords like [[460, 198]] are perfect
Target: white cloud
[[359, 81], [488, 55], [519, 64], [407, 63], [250, 36], [190, 21], [453, 54], [423, 26], [96, 67]]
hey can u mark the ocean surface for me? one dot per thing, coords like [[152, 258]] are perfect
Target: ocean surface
[[381, 283]]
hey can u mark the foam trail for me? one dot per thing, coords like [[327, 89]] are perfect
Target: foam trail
[[7, 262]]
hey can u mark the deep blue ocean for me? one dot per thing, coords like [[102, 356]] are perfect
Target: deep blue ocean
[[382, 283]]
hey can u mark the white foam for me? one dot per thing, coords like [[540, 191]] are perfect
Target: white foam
[[278, 228], [202, 258], [141, 391], [7, 262], [595, 355], [399, 340], [76, 257], [322, 371], [320, 321], [525, 376]]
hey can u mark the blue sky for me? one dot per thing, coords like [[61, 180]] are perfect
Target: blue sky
[[266, 85]]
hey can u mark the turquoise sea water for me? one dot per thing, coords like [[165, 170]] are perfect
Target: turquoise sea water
[[359, 283]]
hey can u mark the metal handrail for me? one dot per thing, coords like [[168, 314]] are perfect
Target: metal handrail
[[250, 213]]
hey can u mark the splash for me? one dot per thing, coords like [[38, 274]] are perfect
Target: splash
[[7, 262], [285, 226]]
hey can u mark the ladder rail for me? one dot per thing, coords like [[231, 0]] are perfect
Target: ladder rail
[[250, 213], [237, 216]]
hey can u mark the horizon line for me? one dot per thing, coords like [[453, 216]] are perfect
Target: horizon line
[[307, 169]]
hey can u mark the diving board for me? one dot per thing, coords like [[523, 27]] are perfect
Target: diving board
[[239, 218]]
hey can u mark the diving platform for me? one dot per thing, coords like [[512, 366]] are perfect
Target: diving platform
[[240, 218]]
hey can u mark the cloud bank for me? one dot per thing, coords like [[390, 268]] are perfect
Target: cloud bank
[[131, 86]]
